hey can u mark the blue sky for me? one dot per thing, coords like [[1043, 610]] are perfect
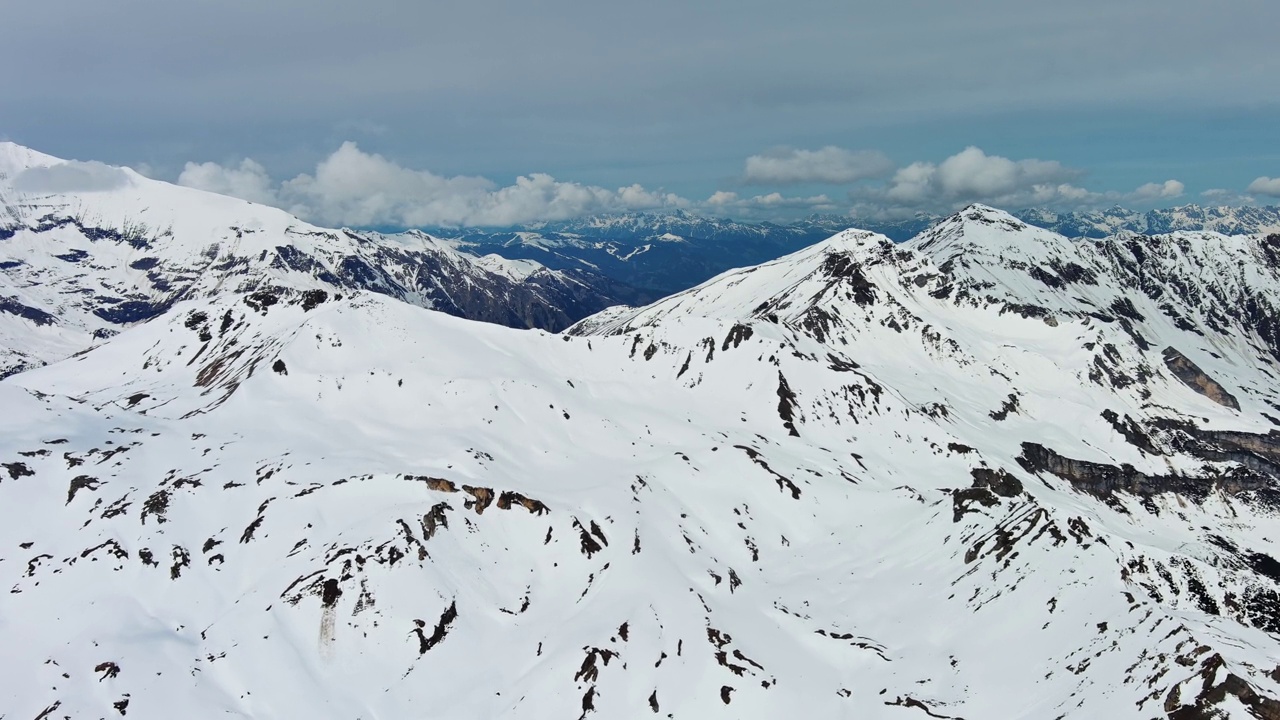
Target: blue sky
[[395, 113]]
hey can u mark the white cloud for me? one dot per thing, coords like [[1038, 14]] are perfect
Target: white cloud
[[972, 175], [1223, 196], [352, 187], [71, 177], [722, 197], [1156, 191], [248, 181], [1062, 193], [356, 188], [1265, 186], [766, 205], [635, 197], [832, 165], [773, 198], [776, 199]]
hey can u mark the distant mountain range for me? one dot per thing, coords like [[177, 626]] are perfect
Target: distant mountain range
[[665, 253], [1102, 223], [661, 253]]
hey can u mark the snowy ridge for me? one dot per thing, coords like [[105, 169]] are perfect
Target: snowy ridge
[[15, 158], [1101, 223], [88, 249], [517, 270], [962, 477]]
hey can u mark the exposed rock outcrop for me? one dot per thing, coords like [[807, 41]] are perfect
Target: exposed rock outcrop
[[1193, 377]]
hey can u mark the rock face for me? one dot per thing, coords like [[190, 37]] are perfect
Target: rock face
[[1193, 377], [952, 477], [1107, 481]]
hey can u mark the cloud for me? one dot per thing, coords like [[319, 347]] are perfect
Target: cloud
[[71, 177], [767, 204], [830, 165], [1156, 191], [686, 89], [776, 199], [352, 187], [972, 175], [770, 70], [721, 197], [248, 181], [1265, 186], [1223, 196], [361, 189]]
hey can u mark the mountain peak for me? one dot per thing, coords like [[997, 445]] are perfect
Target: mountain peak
[[982, 230], [977, 212], [15, 158]]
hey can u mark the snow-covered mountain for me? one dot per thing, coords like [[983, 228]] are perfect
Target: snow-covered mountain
[[1225, 219], [87, 249], [671, 252], [987, 473], [1101, 223]]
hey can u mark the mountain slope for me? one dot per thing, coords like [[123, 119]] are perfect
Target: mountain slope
[[87, 249], [960, 477]]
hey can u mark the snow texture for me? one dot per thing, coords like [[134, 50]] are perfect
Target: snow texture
[[962, 477]]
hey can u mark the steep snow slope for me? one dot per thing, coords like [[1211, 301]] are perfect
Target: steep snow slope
[[86, 249], [957, 478]]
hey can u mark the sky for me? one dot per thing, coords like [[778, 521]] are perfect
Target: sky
[[494, 112]]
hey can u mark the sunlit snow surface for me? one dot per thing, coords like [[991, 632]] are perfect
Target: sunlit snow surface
[[755, 499], [87, 250]]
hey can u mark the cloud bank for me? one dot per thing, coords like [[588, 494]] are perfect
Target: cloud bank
[[361, 189], [972, 175], [352, 187]]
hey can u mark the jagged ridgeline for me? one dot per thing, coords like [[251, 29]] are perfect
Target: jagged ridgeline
[[986, 473]]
